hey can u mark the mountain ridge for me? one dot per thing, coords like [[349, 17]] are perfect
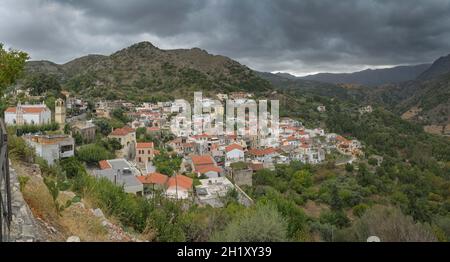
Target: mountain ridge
[[438, 67], [372, 77], [143, 70]]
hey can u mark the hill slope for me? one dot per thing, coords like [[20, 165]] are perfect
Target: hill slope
[[439, 67], [425, 100]]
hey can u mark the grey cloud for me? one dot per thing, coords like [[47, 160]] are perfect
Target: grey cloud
[[286, 35]]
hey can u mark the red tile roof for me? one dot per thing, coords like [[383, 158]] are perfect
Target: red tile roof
[[208, 168], [342, 139], [122, 131], [153, 178], [291, 138], [27, 110], [202, 160], [104, 164], [233, 146], [145, 145], [262, 152], [180, 180]]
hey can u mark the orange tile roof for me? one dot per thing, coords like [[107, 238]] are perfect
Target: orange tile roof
[[291, 138], [233, 146], [208, 168], [145, 145], [202, 160], [180, 180], [342, 139], [122, 131], [27, 110], [153, 178], [104, 164], [262, 152]]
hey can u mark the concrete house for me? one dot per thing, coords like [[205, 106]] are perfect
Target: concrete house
[[154, 183], [144, 153], [86, 129], [121, 173], [179, 187], [234, 153], [205, 165], [127, 138], [212, 190], [51, 147]]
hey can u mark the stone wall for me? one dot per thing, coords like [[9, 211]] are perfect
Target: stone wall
[[24, 227]]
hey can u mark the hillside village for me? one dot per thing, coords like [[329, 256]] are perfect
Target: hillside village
[[96, 161], [224, 121], [207, 167]]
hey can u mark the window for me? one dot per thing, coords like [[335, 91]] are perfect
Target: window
[[66, 148], [139, 159]]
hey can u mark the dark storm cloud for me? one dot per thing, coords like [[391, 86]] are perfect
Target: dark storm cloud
[[284, 35]]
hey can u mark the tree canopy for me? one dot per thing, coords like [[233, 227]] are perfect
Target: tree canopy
[[12, 63]]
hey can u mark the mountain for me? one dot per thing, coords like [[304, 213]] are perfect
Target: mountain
[[439, 67], [425, 100], [143, 71], [372, 77], [291, 83]]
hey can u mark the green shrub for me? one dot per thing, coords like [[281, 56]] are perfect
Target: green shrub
[[93, 153]]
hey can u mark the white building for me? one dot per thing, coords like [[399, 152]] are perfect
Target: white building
[[28, 114], [234, 153], [309, 155], [121, 173], [212, 190], [179, 187], [321, 109], [52, 147]]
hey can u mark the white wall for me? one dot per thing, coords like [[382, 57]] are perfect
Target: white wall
[[212, 174], [38, 119], [172, 192]]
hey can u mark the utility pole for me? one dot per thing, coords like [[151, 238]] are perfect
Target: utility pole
[[176, 184]]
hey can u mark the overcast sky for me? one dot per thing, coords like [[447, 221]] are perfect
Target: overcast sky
[[299, 37]]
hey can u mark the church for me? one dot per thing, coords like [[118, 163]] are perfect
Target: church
[[28, 114]]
